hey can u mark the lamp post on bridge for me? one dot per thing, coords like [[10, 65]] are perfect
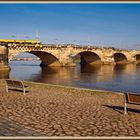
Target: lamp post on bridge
[[88, 41], [74, 41], [55, 40]]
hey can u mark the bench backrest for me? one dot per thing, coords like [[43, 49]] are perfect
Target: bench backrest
[[132, 98], [9, 82], [14, 83]]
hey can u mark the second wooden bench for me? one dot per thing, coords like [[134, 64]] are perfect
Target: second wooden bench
[[131, 98]]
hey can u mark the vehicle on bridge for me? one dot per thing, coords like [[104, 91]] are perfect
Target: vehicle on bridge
[[36, 43]]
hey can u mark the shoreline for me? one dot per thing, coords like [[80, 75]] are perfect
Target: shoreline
[[69, 87], [72, 87]]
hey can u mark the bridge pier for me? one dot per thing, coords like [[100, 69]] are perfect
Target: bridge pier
[[131, 59], [108, 60], [67, 61], [54, 64], [65, 56], [4, 58]]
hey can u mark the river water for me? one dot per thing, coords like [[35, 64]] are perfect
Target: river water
[[106, 77]]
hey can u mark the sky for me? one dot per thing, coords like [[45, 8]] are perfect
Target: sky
[[115, 25]]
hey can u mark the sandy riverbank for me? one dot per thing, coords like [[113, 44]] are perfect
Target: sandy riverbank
[[52, 110]]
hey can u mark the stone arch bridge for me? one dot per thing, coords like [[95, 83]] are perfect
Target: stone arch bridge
[[63, 55]]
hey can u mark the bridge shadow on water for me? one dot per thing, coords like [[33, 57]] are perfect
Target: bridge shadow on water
[[120, 109], [90, 68]]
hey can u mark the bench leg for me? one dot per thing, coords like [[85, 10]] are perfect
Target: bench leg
[[125, 108], [24, 91], [6, 88]]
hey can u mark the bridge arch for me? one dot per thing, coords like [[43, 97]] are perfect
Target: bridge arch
[[87, 57], [120, 58], [137, 57], [47, 59]]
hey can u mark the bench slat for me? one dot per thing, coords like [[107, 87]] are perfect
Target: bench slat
[[18, 83], [133, 98], [9, 82]]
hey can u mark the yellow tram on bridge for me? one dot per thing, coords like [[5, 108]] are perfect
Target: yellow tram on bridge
[[36, 43]]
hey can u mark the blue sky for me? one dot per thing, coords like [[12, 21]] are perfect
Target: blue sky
[[115, 25]]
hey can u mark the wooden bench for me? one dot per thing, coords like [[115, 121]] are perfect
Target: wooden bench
[[15, 84], [131, 98]]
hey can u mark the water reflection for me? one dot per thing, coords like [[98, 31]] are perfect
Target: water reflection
[[56, 75], [90, 68], [121, 77], [125, 68]]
